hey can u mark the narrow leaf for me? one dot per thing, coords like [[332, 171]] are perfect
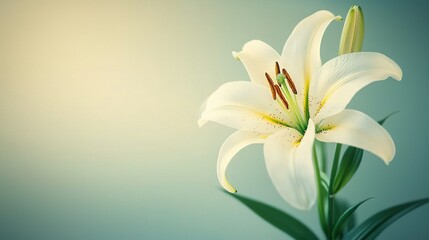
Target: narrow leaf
[[349, 165], [340, 206], [339, 226], [388, 116], [325, 182], [374, 225], [277, 218]]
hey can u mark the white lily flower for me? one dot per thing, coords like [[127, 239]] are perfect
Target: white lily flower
[[291, 100]]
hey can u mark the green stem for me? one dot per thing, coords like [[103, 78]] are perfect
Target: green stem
[[322, 157], [331, 194], [320, 197]]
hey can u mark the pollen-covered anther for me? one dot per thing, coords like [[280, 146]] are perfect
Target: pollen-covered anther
[[289, 81], [277, 68], [282, 97], [271, 83]]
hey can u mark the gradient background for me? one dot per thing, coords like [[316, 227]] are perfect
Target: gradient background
[[99, 102]]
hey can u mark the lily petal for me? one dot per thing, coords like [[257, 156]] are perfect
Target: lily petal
[[301, 52], [357, 129], [258, 58], [232, 145], [335, 84], [289, 161], [244, 106]]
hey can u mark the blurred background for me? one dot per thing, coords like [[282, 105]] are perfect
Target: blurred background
[[99, 102]]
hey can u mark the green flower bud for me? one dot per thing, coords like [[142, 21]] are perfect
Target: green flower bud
[[353, 31]]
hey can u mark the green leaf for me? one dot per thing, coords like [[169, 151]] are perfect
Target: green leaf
[[374, 225], [349, 165], [277, 218], [343, 219], [324, 182], [340, 206], [388, 116]]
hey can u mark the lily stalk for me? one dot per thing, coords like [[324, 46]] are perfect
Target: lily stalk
[[353, 31]]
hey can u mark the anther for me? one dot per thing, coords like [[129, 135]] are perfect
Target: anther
[[271, 83], [289, 81], [282, 97], [277, 68]]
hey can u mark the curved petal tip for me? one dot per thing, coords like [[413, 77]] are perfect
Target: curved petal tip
[[232, 145], [227, 186], [390, 64], [235, 55], [398, 75]]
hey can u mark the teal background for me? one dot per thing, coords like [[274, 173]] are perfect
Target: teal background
[[99, 102]]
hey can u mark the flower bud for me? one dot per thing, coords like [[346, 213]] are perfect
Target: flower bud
[[353, 31]]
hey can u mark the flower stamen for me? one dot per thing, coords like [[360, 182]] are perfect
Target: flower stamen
[[271, 83], [289, 81], [277, 68], [282, 97]]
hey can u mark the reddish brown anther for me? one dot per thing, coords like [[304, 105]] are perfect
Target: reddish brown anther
[[289, 81], [271, 83], [277, 68], [282, 97]]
